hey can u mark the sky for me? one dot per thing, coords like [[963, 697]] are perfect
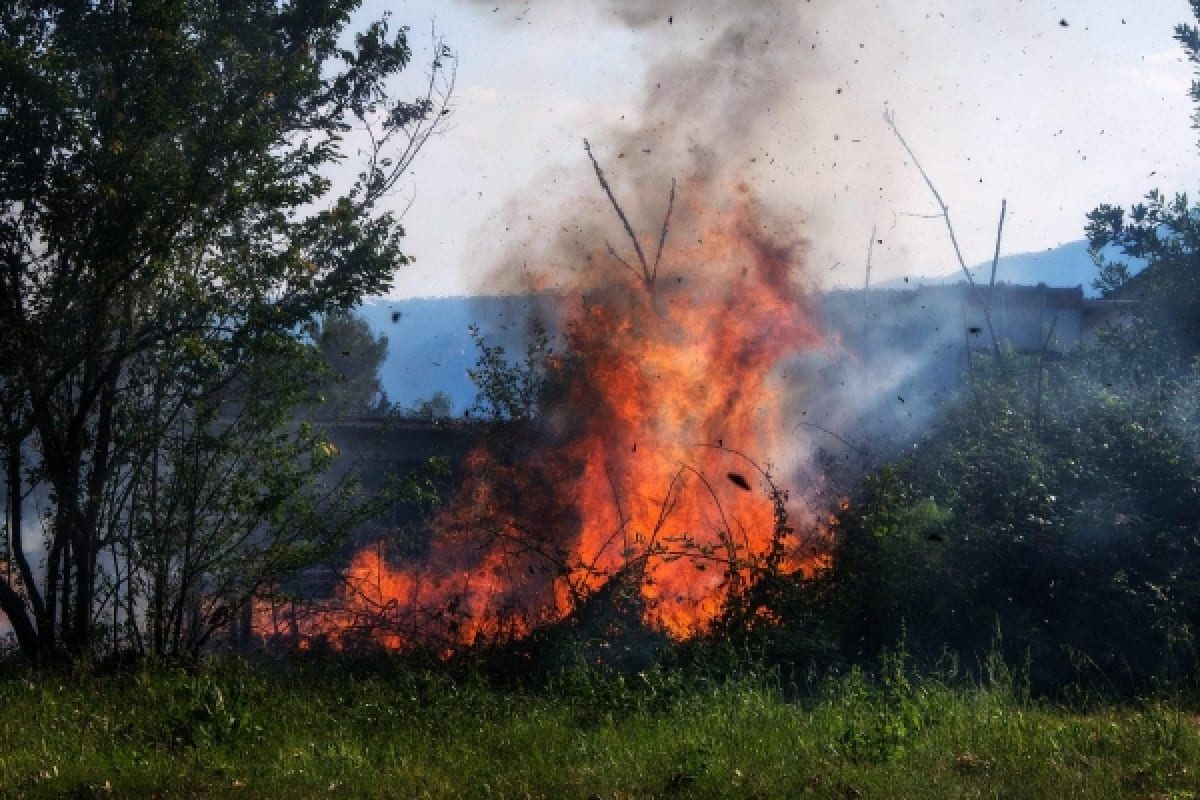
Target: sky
[[1052, 106]]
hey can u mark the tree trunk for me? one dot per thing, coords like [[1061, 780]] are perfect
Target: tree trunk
[[18, 606]]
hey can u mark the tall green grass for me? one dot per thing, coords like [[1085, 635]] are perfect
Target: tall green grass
[[233, 731]]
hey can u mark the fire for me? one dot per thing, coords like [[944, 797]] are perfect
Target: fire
[[646, 466]]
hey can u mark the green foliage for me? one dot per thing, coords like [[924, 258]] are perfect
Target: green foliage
[[1058, 501], [352, 357], [1067, 520], [439, 406], [1164, 234], [511, 391], [168, 229], [880, 719], [1162, 324]]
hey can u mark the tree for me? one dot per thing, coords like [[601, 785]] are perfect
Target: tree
[[352, 356], [1060, 510], [511, 391], [1164, 235], [167, 227], [216, 508], [438, 406]]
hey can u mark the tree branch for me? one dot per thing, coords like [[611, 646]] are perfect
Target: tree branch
[[889, 119]]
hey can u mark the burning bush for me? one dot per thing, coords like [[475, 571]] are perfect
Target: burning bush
[[640, 467]]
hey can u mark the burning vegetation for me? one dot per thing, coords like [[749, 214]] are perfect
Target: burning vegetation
[[647, 467]]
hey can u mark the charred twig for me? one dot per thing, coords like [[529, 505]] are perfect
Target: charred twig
[[996, 255], [617, 208], [670, 501], [621, 530], [662, 237], [889, 119], [860, 450], [774, 558], [613, 252], [648, 274], [527, 544], [621, 523], [730, 546]]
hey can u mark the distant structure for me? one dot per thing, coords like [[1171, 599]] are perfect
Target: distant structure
[[938, 317], [378, 449]]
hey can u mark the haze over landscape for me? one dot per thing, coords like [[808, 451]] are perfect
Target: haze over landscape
[[1054, 106]]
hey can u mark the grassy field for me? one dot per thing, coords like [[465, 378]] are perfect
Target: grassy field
[[237, 732]]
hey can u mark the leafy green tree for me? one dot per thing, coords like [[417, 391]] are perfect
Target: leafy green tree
[[1163, 234], [352, 356], [216, 501], [167, 226], [1073, 534], [1163, 319], [436, 407], [511, 391]]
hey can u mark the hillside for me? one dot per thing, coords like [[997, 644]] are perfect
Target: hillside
[[1064, 266], [430, 347]]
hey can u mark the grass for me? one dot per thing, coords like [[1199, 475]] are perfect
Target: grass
[[232, 731]]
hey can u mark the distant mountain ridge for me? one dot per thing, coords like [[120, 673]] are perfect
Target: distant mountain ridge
[[1064, 266], [430, 347], [429, 341]]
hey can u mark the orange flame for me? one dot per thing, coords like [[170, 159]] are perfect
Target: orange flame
[[645, 464]]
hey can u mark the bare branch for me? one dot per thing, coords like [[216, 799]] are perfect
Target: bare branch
[[662, 239], [996, 255], [613, 252], [889, 118], [867, 296], [731, 573], [646, 276], [860, 450], [617, 207]]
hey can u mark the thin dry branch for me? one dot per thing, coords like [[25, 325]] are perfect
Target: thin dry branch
[[662, 238], [889, 118], [670, 501], [731, 574], [867, 296], [996, 255], [648, 275], [622, 529], [860, 450], [612, 251], [620, 212]]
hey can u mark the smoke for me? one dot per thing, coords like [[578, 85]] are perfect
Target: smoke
[[780, 102], [784, 98], [645, 13], [769, 101]]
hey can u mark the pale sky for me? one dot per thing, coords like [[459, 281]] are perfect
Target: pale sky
[[998, 98]]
